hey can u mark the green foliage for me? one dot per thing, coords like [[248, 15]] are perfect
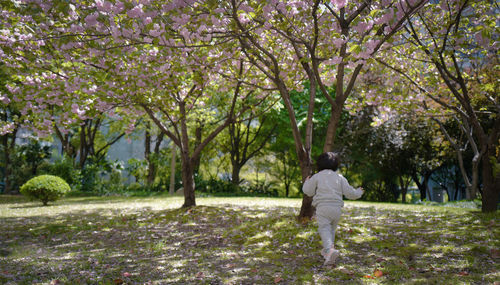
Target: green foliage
[[217, 186], [26, 161], [220, 187], [34, 154], [102, 177], [64, 167], [46, 188], [19, 172], [261, 188], [380, 191]]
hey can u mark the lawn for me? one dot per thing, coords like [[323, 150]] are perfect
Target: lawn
[[114, 240]]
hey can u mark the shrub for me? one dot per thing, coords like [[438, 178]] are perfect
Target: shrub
[[45, 188]]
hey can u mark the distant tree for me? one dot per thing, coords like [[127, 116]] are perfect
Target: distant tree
[[449, 53], [246, 141], [10, 121], [152, 151]]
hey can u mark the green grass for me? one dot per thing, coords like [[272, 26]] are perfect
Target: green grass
[[113, 240]]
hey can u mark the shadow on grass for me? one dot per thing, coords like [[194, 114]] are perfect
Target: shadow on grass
[[242, 245], [22, 202]]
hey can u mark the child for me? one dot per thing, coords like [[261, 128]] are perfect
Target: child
[[327, 187]]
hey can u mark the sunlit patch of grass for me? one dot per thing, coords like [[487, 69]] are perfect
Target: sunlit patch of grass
[[241, 240]]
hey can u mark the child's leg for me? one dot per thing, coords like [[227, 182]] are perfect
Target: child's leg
[[328, 218], [324, 230], [336, 214]]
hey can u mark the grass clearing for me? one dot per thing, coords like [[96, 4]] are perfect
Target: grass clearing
[[113, 240]]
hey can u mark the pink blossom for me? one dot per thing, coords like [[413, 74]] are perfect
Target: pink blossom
[[386, 18], [243, 17], [387, 30], [371, 45], [118, 7], [339, 4], [334, 60], [104, 6], [267, 10], [12, 89], [136, 12], [91, 19], [7, 128], [363, 27], [385, 3], [338, 42], [185, 33], [147, 21], [130, 128], [245, 7], [156, 32], [76, 110], [4, 99]]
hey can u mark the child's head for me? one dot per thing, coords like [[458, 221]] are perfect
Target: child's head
[[328, 160]]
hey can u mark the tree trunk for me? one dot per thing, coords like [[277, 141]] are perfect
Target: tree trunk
[[7, 170], [198, 139], [235, 176], [491, 190], [403, 194], [8, 146], [332, 128], [188, 181], [66, 147], [83, 148], [404, 187], [306, 210], [147, 156], [415, 179], [172, 171]]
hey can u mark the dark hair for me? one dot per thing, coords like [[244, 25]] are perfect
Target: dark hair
[[328, 160]]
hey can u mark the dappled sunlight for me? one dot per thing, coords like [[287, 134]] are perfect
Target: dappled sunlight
[[220, 243]]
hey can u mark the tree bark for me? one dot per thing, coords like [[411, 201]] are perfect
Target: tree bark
[[8, 146], [491, 190], [306, 210], [172, 171], [188, 181], [235, 175], [422, 187], [147, 155], [404, 189]]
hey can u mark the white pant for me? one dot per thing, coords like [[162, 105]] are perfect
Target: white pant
[[328, 217]]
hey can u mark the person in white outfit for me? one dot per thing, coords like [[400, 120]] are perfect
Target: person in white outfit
[[327, 187]]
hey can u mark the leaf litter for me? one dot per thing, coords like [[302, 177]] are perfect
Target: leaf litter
[[237, 244]]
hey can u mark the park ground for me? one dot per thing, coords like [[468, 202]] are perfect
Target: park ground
[[118, 240]]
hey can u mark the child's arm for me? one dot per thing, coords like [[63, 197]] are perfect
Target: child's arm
[[309, 187], [350, 192]]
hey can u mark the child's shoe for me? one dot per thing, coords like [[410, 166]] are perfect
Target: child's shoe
[[331, 256]]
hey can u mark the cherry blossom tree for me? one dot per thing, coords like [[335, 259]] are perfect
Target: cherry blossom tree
[[127, 60], [451, 59], [326, 43]]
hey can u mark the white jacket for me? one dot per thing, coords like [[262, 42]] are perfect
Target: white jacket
[[328, 186]]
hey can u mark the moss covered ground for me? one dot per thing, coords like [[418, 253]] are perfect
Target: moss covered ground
[[117, 240]]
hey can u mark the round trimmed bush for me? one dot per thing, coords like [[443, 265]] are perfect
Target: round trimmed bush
[[45, 188]]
